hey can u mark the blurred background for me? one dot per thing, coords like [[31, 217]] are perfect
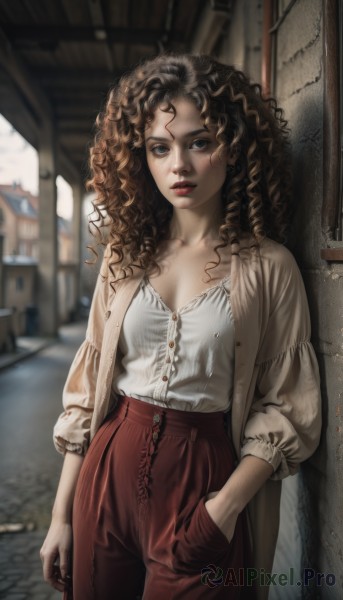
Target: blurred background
[[58, 59]]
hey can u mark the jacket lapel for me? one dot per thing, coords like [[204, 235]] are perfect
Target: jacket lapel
[[117, 307]]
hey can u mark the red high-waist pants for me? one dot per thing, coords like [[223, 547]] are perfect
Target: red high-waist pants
[[140, 525]]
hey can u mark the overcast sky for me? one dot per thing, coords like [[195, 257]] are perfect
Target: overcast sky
[[19, 163]]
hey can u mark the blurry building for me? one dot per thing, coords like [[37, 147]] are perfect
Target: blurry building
[[19, 218], [18, 210]]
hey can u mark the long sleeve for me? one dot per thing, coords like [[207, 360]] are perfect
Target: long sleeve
[[284, 422], [72, 429]]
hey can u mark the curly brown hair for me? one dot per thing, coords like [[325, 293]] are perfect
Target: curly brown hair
[[133, 214]]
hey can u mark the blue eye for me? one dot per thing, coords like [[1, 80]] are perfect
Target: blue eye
[[159, 150], [200, 144]]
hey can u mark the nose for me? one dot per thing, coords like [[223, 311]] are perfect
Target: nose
[[181, 163]]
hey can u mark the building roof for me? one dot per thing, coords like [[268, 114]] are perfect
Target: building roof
[[64, 226], [19, 204]]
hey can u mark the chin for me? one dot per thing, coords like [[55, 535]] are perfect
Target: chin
[[184, 203]]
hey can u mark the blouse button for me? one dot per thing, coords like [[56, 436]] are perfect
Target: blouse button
[[174, 317], [107, 314], [164, 378], [171, 344]]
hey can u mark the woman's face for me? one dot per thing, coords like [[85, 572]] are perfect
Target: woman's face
[[180, 156]]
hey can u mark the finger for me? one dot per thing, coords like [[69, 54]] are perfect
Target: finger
[[64, 564], [52, 576], [56, 581], [51, 571]]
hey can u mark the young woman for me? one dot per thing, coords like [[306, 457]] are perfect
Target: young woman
[[196, 389]]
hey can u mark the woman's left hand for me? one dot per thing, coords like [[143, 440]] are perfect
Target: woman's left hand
[[221, 514]]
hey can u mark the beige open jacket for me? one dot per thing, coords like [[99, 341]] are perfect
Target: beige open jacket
[[276, 401]]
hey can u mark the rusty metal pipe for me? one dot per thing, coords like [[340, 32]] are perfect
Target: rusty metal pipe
[[266, 46]]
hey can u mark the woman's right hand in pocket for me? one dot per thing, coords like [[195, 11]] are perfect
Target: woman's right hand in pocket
[[55, 554]]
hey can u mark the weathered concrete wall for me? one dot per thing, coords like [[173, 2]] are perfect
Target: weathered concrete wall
[[311, 533], [299, 87]]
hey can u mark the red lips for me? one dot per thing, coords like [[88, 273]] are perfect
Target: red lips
[[183, 184]]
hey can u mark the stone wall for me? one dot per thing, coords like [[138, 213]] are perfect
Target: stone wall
[[311, 530]]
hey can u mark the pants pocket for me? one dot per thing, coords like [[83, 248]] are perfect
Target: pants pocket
[[198, 542], [96, 453], [107, 430]]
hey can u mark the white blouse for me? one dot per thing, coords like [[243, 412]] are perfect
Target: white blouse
[[181, 359]]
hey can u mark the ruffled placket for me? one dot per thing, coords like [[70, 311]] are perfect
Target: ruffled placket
[[147, 456]]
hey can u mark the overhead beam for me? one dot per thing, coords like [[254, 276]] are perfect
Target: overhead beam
[[76, 12], [75, 129], [33, 103], [71, 139], [97, 79], [53, 34], [75, 123], [71, 110], [18, 73], [214, 18], [98, 21], [17, 112], [90, 97]]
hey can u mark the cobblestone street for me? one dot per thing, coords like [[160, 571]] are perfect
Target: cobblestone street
[[30, 401]]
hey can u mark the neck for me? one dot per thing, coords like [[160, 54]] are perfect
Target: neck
[[193, 228]]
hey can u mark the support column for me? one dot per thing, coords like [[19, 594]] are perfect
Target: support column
[[47, 265], [2, 281], [77, 237]]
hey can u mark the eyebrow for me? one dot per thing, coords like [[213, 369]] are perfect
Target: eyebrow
[[190, 134]]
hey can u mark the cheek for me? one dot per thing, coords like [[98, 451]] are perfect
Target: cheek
[[149, 163], [212, 164], [215, 170], [153, 169]]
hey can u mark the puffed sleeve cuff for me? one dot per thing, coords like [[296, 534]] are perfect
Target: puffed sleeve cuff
[[63, 446], [72, 429], [284, 423], [272, 455]]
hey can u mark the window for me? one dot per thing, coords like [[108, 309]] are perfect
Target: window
[[19, 283]]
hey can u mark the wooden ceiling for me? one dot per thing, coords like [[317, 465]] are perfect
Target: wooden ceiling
[[58, 59]]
